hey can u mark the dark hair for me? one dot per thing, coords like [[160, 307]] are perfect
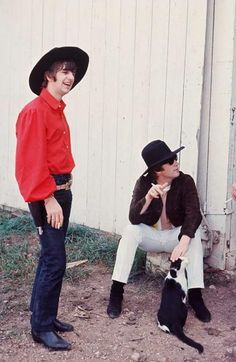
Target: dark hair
[[56, 66], [154, 169]]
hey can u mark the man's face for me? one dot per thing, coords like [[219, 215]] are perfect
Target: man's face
[[62, 83], [170, 170]]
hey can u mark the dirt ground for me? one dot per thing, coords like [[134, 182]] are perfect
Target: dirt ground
[[132, 337]]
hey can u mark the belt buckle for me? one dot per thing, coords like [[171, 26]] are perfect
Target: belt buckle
[[68, 185]]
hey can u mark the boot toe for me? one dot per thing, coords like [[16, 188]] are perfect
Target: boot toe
[[113, 312], [198, 305], [201, 312], [204, 316], [51, 340]]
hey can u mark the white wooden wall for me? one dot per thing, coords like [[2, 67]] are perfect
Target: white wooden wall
[[144, 82], [216, 153]]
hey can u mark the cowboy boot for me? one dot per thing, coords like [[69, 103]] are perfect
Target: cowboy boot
[[198, 305], [115, 302]]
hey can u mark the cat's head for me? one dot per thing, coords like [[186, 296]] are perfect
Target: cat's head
[[178, 265]]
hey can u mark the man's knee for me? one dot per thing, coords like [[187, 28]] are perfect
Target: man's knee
[[133, 233], [196, 244], [197, 238], [54, 265]]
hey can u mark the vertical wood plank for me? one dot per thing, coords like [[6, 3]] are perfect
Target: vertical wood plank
[[193, 82], [141, 85], [96, 112], [72, 21], [203, 143], [158, 69], [48, 24], [123, 186], [59, 14], [109, 142], [79, 113], [175, 72]]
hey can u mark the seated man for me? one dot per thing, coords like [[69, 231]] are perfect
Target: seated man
[[165, 216]]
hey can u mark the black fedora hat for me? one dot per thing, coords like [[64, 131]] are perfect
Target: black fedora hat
[[80, 58], [156, 153]]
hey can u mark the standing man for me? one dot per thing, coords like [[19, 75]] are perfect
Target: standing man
[[165, 216], [44, 163]]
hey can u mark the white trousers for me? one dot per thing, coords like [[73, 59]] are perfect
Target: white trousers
[[148, 238]]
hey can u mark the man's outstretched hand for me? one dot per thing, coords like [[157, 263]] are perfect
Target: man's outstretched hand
[[181, 248]]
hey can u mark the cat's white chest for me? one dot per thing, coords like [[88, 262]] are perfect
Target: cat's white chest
[[182, 280]]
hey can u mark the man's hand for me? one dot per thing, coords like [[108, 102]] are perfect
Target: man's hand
[[54, 212], [181, 248], [153, 193], [234, 191], [156, 190]]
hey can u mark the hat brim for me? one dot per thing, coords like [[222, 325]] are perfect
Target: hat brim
[[79, 56], [162, 161]]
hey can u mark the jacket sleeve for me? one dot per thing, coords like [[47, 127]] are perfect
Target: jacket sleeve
[[138, 200], [192, 214], [32, 173]]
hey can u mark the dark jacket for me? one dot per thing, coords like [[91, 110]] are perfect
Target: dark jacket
[[182, 204]]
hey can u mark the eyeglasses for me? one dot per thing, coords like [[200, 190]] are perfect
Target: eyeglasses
[[172, 160]]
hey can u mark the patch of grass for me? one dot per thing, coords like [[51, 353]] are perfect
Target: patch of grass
[[91, 244], [75, 274], [97, 246], [17, 260], [10, 224]]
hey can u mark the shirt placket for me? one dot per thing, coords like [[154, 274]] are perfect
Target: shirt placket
[[65, 130]]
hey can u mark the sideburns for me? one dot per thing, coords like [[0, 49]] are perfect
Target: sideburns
[[50, 75]]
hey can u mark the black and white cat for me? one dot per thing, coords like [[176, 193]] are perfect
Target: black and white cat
[[173, 311]]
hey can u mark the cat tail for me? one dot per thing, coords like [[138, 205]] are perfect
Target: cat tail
[[177, 330]]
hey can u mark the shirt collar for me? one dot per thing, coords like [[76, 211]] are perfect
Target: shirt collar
[[53, 102]]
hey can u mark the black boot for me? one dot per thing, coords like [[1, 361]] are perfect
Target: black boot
[[51, 340], [116, 297], [197, 303]]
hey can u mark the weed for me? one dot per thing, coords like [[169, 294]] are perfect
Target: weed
[[87, 243], [75, 274], [97, 246], [12, 224], [17, 260]]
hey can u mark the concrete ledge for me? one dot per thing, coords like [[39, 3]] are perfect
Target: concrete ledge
[[157, 263]]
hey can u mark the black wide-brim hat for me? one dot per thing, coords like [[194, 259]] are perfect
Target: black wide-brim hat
[[67, 53], [156, 153]]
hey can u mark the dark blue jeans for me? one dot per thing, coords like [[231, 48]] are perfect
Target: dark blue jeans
[[51, 267]]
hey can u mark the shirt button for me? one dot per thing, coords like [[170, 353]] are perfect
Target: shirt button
[[64, 132]]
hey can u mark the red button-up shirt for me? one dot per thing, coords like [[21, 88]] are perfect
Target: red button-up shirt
[[43, 146]]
